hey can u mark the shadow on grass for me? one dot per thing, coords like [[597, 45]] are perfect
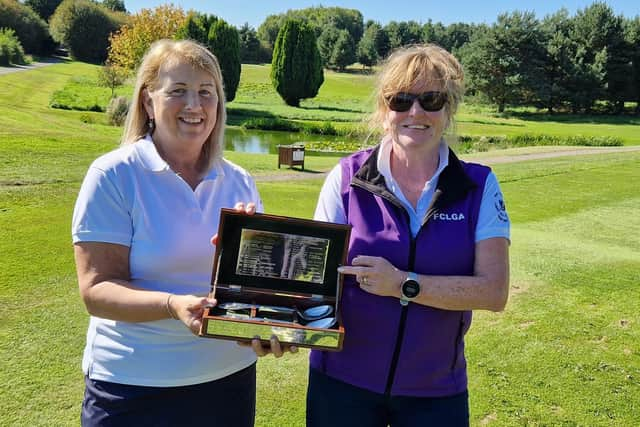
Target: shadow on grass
[[35, 63], [322, 107], [302, 171], [290, 174], [620, 119], [490, 122], [366, 71], [55, 59]]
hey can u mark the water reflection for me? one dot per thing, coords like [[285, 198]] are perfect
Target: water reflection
[[253, 141]]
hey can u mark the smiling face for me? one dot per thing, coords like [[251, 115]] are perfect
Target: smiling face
[[415, 70], [184, 105], [417, 128]]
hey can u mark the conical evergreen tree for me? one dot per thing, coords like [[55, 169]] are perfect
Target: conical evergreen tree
[[296, 68]]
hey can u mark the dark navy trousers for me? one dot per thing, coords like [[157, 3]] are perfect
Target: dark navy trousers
[[333, 403], [229, 401]]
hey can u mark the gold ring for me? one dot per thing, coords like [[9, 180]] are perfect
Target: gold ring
[[364, 280]]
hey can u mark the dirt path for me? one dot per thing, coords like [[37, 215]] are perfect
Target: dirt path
[[488, 160]]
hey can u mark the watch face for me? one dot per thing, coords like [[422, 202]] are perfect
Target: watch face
[[410, 289]]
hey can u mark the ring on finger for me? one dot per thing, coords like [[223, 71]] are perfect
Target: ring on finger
[[364, 280]]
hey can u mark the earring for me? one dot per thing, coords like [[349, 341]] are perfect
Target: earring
[[151, 124]]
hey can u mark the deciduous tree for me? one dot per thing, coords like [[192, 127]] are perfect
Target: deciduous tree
[[44, 8], [319, 18], [130, 43], [30, 29], [367, 52], [112, 77], [344, 51], [326, 42], [115, 5]]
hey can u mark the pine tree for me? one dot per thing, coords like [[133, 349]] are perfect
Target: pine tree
[[296, 69], [224, 42], [220, 38], [366, 51]]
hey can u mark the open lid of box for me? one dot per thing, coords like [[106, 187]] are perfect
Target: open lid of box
[[279, 254]]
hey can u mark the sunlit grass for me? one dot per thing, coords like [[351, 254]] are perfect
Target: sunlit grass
[[565, 351]]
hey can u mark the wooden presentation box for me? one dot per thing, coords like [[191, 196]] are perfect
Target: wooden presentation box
[[276, 275]]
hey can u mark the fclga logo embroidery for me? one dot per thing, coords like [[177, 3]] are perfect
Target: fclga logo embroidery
[[443, 216], [501, 209]]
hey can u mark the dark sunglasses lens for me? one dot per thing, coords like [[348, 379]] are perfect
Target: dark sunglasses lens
[[432, 101], [401, 102]]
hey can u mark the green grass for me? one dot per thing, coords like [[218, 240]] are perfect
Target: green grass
[[626, 127], [565, 352], [345, 99], [83, 93], [342, 97]]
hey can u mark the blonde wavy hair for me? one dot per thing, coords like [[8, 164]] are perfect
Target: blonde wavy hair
[[163, 53], [418, 65]]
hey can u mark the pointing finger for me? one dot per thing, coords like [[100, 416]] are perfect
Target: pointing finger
[[348, 269], [364, 260]]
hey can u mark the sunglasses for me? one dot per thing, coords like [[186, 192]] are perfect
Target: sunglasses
[[429, 101]]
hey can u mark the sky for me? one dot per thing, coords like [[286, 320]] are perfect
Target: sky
[[254, 12]]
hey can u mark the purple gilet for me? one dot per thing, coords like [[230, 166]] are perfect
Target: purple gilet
[[416, 350]]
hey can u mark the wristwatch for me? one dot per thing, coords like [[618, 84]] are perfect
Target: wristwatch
[[409, 289]]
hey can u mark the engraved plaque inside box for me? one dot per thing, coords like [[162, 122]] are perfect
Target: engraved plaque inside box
[[277, 275]]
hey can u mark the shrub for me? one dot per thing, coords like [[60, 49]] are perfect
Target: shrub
[[468, 143], [271, 124], [117, 110], [30, 29], [11, 51], [326, 128], [268, 123], [84, 28], [86, 118], [580, 140]]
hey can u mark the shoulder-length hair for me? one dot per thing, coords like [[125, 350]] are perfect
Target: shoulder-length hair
[[164, 53]]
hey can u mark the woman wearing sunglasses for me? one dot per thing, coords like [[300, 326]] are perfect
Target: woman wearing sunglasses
[[429, 244]]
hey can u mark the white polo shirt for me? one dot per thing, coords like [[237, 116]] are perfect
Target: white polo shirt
[[131, 197]]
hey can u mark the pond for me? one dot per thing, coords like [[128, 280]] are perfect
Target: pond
[[255, 141]]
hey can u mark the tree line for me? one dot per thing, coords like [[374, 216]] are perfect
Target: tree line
[[558, 63], [578, 63]]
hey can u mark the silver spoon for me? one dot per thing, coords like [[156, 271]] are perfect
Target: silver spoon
[[308, 315]]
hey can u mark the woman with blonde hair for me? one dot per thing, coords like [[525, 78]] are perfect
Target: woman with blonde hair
[[141, 230], [429, 243]]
